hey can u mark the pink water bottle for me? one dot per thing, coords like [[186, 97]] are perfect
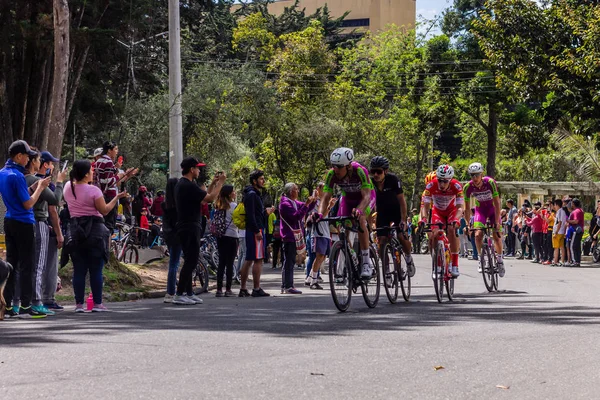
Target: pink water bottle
[[90, 302]]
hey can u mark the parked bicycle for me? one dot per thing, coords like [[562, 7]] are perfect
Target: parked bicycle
[[394, 272], [345, 268], [125, 243], [440, 263]]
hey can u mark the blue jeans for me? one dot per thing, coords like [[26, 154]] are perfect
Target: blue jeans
[[82, 263], [174, 257], [310, 255]]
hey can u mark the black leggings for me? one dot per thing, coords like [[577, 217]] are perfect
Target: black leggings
[[276, 249], [20, 253], [190, 245], [538, 238], [227, 247]]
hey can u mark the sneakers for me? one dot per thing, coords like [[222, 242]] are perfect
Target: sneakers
[[308, 281], [195, 299], [411, 268], [183, 300], [260, 293], [10, 312], [229, 293], [168, 298], [244, 293], [501, 270], [546, 263], [316, 286], [434, 275], [367, 271], [454, 272], [291, 290], [219, 293], [30, 312], [479, 269], [54, 306], [43, 310], [79, 308], [100, 308]]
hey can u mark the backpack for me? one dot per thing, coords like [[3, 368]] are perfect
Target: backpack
[[219, 225], [239, 216]]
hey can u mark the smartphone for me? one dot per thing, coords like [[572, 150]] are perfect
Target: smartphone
[[65, 166], [120, 160]]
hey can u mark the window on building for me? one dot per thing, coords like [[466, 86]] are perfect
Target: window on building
[[353, 23]]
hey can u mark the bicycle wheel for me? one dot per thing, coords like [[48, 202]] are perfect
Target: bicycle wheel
[[200, 278], [438, 266], [424, 247], [131, 255], [596, 253], [487, 268], [390, 273], [449, 288], [371, 287], [403, 275], [340, 276]]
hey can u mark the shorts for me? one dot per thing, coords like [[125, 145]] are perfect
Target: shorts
[[482, 216], [255, 248], [320, 245], [110, 219], [346, 206], [558, 241], [383, 222], [446, 217]]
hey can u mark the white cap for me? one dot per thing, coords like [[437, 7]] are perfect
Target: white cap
[[98, 152]]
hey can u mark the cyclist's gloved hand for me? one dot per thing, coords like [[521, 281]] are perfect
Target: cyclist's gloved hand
[[358, 212]]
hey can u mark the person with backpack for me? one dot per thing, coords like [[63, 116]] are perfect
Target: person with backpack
[[276, 245], [226, 232]]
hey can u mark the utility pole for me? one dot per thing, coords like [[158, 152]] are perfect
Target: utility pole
[[175, 110]]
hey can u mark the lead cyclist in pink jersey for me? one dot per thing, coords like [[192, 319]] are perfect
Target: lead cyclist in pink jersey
[[487, 209], [358, 197]]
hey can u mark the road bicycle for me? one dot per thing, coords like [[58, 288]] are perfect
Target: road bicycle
[[488, 260], [345, 268], [394, 272], [124, 243], [440, 263]]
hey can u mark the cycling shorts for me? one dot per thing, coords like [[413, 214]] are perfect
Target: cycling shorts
[[484, 215], [346, 206], [445, 217]]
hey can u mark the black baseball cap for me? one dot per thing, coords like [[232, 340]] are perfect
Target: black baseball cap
[[537, 204], [20, 147], [48, 157], [191, 162]]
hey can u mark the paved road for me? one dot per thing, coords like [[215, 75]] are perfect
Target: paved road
[[538, 338]]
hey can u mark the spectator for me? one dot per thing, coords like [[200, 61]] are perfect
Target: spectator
[[269, 235], [170, 235], [241, 253], [471, 231], [464, 239], [310, 232], [292, 212], [156, 208], [88, 237], [511, 229], [188, 200], [19, 228], [97, 153], [321, 245], [46, 247], [140, 201], [255, 232], [144, 224], [227, 243], [416, 246], [548, 227], [536, 222], [107, 177], [558, 232], [576, 220], [276, 246]]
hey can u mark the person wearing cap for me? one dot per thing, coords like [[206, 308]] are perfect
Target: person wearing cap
[[107, 177], [140, 201], [46, 248], [19, 227], [188, 202], [97, 153]]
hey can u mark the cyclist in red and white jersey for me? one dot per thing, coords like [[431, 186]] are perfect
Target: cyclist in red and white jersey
[[444, 195]]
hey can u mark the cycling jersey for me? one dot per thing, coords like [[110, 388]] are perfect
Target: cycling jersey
[[484, 201], [388, 205], [444, 202], [351, 187]]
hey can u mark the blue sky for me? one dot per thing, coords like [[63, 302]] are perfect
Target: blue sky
[[428, 9]]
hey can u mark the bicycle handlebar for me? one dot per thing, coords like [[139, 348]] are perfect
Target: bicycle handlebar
[[336, 219], [427, 227]]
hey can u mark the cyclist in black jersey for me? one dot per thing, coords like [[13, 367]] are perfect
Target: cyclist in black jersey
[[390, 205]]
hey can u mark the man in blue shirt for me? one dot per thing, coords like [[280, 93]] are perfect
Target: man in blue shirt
[[19, 226]]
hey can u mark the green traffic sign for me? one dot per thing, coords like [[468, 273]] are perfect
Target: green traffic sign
[[160, 166]]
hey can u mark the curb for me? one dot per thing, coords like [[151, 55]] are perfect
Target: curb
[[133, 296]]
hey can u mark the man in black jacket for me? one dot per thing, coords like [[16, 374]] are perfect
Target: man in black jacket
[[256, 222]]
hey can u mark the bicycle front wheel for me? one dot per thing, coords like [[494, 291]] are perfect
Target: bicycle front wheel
[[370, 288], [487, 268], [340, 276], [450, 288], [596, 253], [390, 273], [131, 255], [200, 278], [438, 268]]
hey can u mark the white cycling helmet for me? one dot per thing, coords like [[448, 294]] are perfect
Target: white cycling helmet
[[476, 168], [445, 172], [342, 156]]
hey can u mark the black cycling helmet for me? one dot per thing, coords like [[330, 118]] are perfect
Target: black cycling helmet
[[380, 162]]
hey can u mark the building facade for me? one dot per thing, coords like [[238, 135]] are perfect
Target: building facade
[[371, 15]]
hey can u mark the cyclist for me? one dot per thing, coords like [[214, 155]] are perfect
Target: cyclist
[[358, 197], [391, 205], [444, 195], [487, 208]]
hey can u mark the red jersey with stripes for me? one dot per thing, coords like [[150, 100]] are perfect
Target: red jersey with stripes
[[443, 200]]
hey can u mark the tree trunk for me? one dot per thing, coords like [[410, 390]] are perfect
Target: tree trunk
[[60, 80], [492, 139]]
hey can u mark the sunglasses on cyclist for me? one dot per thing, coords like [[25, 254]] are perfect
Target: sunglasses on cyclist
[[338, 166], [376, 171], [443, 180], [475, 175]]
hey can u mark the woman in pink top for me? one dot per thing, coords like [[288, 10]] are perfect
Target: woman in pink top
[[87, 236]]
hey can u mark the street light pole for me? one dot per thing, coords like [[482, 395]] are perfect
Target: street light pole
[[175, 111]]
